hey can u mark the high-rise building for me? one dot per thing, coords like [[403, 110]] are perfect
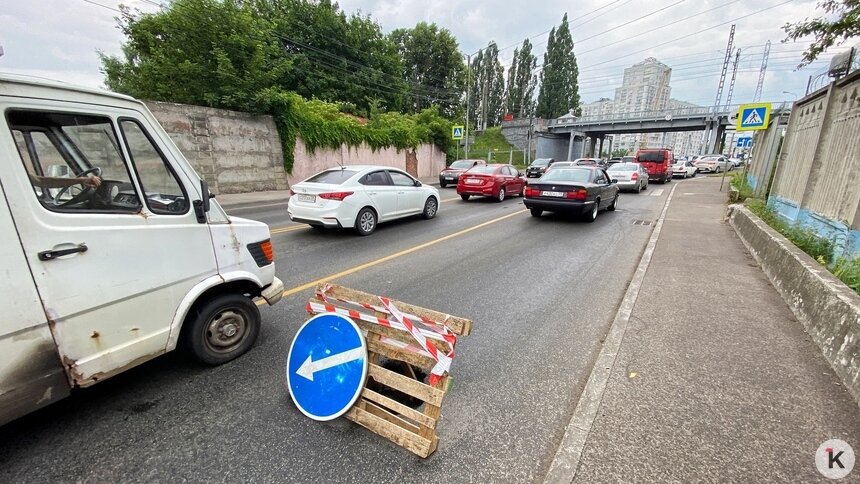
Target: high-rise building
[[645, 87]]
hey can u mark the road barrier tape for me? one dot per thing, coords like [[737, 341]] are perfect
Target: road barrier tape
[[443, 361], [439, 328], [399, 320], [317, 308]]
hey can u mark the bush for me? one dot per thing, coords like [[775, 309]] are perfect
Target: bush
[[848, 271], [322, 124]]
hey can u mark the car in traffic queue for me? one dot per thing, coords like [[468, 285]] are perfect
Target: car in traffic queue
[[537, 167], [629, 176], [712, 163], [657, 162], [360, 197], [560, 164], [452, 173], [581, 190], [495, 180], [684, 169], [628, 159], [589, 162]]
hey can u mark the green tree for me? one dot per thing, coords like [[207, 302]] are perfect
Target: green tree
[[559, 90], [842, 23], [519, 98], [488, 88], [205, 52], [433, 67], [222, 53]]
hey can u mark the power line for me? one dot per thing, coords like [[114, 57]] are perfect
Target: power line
[[632, 21], [103, 6]]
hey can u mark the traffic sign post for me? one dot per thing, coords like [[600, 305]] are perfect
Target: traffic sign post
[[753, 117], [327, 366], [457, 132]]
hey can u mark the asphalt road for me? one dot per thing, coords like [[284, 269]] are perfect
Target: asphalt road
[[542, 293]]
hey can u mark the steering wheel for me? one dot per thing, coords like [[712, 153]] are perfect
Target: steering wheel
[[85, 194]]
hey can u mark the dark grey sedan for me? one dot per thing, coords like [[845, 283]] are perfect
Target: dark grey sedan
[[581, 190]]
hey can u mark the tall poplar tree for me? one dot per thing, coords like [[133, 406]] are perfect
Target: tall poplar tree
[[519, 99], [559, 90], [488, 88]]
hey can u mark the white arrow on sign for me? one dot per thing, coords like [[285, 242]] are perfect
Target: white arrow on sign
[[309, 367]]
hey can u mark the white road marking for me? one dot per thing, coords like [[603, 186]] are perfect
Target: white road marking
[[657, 192], [566, 461]]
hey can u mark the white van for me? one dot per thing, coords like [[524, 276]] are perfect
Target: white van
[[112, 252]]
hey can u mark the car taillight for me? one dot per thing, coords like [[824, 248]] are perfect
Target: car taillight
[[339, 196], [634, 176], [580, 194], [532, 192], [262, 252]]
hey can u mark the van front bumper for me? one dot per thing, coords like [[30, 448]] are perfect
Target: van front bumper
[[273, 292]]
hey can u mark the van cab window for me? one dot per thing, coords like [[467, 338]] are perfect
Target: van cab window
[[73, 161], [164, 193]]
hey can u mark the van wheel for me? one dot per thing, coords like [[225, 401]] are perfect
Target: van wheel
[[224, 328]]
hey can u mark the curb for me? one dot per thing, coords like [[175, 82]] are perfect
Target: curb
[[566, 461], [828, 309]]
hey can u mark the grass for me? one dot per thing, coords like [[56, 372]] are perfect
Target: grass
[[492, 141], [845, 269], [739, 181]]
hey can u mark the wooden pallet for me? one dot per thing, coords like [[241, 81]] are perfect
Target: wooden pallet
[[411, 428]]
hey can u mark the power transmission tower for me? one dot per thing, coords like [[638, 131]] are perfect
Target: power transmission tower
[[732, 83], [711, 126], [761, 73]]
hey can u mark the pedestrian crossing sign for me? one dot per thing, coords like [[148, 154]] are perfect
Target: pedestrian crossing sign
[[753, 116], [457, 132]]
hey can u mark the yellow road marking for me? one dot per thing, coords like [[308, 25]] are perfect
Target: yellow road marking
[[387, 258]]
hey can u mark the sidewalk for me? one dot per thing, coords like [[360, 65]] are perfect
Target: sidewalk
[[714, 380], [252, 199]]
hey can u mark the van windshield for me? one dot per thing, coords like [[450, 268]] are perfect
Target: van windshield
[[651, 156]]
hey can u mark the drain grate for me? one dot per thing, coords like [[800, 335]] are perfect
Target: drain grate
[[642, 222]]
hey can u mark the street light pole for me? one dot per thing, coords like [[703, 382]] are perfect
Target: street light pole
[[468, 103]]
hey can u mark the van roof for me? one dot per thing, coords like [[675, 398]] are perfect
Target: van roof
[[42, 82]]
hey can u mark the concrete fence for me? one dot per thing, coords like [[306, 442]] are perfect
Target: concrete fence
[[817, 179], [239, 152]]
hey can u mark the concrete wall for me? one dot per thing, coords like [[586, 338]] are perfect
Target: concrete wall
[[828, 309], [516, 131], [431, 160], [238, 152], [557, 146], [817, 181], [234, 152]]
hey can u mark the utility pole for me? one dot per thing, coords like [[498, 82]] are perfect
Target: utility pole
[[761, 73], [720, 87], [468, 105]]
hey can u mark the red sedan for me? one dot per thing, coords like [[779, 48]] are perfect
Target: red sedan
[[497, 181]]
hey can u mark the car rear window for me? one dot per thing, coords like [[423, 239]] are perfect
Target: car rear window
[[568, 174], [651, 156], [483, 169], [334, 177], [623, 167]]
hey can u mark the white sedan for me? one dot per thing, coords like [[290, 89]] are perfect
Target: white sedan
[[360, 197], [684, 169]]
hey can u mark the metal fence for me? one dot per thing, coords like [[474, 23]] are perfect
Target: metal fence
[[655, 114]]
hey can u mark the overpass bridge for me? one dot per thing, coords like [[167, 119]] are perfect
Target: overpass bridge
[[586, 134]]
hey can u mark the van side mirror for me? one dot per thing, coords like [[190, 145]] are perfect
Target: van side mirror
[[202, 206]]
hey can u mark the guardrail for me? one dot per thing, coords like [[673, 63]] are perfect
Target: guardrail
[[655, 114]]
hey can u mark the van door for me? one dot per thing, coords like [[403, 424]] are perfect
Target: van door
[[31, 375], [112, 263]]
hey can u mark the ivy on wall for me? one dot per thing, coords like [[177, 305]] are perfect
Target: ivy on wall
[[321, 124]]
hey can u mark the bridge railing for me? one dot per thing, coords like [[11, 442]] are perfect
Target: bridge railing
[[654, 114]]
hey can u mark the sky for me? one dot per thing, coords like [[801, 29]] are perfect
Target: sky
[[59, 39]]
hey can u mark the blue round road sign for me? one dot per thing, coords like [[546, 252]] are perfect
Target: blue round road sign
[[326, 366]]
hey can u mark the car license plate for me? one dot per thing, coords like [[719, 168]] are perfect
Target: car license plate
[[552, 194], [307, 198], [449, 177], [473, 181]]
